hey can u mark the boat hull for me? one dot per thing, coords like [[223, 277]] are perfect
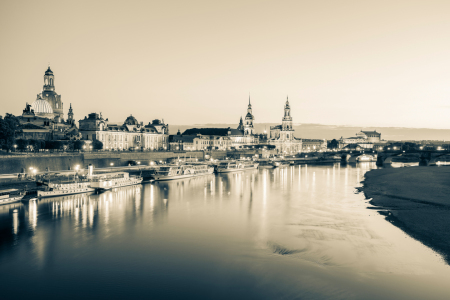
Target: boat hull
[[221, 170], [266, 167], [11, 200], [230, 170], [175, 177], [118, 185], [45, 194]]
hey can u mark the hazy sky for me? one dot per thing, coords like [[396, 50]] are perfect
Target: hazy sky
[[365, 63]]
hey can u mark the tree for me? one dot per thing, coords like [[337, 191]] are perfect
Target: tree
[[22, 144], [59, 145], [9, 128], [70, 145], [97, 145], [54, 145], [36, 145], [78, 145], [48, 145], [333, 144]]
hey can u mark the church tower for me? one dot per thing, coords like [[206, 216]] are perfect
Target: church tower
[[241, 125], [286, 124], [49, 81], [49, 94], [248, 126], [70, 119]]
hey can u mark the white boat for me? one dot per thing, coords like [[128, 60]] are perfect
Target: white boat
[[171, 172], [53, 189], [280, 164], [108, 181], [234, 166], [266, 164], [10, 196]]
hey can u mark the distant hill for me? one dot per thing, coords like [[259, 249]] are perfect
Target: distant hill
[[319, 131]]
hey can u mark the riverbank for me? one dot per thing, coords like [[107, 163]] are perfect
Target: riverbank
[[417, 200]]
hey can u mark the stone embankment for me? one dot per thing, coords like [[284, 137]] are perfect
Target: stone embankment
[[415, 199], [63, 161], [10, 164]]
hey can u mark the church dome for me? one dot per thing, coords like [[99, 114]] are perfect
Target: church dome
[[41, 106], [131, 121], [49, 71]]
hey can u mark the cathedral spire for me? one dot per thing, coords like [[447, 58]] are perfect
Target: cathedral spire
[[70, 118]]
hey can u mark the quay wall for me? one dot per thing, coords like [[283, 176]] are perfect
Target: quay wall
[[63, 161], [16, 163]]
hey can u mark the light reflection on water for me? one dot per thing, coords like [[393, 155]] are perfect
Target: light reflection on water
[[294, 232]]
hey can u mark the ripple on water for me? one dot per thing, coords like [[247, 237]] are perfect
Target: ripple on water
[[281, 250]]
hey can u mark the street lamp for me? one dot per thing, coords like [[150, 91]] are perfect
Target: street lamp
[[15, 147]]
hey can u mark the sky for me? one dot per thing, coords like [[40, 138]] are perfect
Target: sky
[[358, 63]]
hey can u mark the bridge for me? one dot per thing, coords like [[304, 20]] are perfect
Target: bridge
[[423, 158]]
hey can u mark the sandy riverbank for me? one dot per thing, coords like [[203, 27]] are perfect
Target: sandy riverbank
[[415, 199]]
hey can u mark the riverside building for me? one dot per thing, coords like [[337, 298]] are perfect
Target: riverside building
[[44, 118], [200, 142], [218, 138], [131, 135], [282, 136], [364, 139]]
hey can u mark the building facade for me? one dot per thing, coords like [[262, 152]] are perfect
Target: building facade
[[224, 138], [44, 118], [282, 136], [364, 139], [131, 135], [312, 145], [199, 142]]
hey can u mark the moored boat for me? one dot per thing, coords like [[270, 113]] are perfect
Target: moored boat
[[280, 163], [234, 166], [108, 181], [265, 164], [171, 172], [10, 196], [53, 189]]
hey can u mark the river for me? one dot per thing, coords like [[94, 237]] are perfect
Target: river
[[301, 232]]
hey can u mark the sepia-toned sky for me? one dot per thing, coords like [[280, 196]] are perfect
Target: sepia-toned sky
[[364, 63]]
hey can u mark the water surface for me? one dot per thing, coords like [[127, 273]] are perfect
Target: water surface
[[300, 232]]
